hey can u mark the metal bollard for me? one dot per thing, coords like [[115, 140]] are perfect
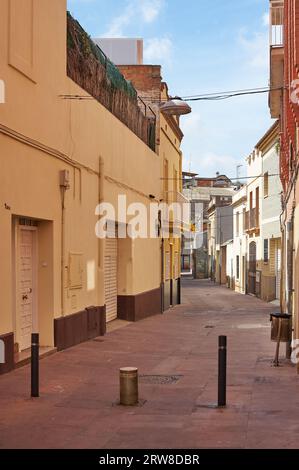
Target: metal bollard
[[128, 381], [35, 365], [222, 364]]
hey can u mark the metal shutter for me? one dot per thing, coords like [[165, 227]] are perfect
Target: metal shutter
[[110, 267]]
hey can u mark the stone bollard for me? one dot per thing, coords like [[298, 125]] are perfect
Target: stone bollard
[[128, 381]]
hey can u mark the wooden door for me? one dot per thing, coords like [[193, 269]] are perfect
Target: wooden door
[[26, 289]]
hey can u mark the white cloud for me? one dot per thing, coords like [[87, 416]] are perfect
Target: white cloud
[[150, 9], [118, 24], [256, 45], [191, 124], [209, 163], [158, 50], [256, 48], [266, 19], [144, 11]]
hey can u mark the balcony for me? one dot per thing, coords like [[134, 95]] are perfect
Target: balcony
[[276, 56], [252, 221], [276, 23]]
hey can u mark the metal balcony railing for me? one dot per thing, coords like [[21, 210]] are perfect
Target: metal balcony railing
[[276, 23]]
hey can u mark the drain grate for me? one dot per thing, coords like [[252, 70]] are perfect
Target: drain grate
[[210, 326], [160, 379], [98, 340]]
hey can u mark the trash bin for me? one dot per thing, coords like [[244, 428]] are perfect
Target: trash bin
[[280, 321]]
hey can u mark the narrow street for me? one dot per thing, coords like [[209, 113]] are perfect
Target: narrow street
[[176, 355]]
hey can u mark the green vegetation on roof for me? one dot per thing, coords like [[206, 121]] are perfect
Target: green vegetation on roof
[[88, 47]]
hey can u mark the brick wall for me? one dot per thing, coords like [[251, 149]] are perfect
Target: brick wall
[[290, 114], [145, 78]]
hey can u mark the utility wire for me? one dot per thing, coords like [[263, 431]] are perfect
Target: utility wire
[[213, 178], [217, 96], [200, 97]]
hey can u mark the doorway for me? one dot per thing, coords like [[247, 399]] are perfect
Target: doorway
[[252, 269], [110, 269], [26, 285]]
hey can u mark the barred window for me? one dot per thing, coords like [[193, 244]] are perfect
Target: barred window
[[266, 250]]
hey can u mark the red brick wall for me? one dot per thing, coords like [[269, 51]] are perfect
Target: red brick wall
[[290, 112], [145, 78]]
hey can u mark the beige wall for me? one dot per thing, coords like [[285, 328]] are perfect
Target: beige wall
[[55, 134], [170, 151]]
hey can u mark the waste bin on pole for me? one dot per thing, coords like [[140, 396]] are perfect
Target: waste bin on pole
[[280, 331]]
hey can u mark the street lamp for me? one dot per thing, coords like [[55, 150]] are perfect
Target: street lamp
[[175, 107]]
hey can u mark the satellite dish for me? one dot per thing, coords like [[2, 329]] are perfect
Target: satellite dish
[[175, 107]]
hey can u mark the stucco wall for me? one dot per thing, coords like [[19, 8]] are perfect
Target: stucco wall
[[68, 135]]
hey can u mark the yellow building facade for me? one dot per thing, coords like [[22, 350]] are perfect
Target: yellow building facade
[[61, 154], [154, 92]]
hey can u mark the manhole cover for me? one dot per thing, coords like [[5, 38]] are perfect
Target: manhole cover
[[160, 379]]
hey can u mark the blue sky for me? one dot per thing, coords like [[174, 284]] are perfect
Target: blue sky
[[204, 47]]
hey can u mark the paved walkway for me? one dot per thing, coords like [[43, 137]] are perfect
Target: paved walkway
[[79, 387]]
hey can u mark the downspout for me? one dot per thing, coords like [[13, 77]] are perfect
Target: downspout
[[100, 241], [162, 275], [291, 281], [283, 258], [63, 191]]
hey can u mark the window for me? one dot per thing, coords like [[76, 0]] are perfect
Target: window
[[251, 200], [165, 175], [266, 184], [175, 180], [238, 267], [237, 224], [244, 220], [266, 251]]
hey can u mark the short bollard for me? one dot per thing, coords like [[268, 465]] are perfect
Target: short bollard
[[128, 381], [222, 353], [35, 365]]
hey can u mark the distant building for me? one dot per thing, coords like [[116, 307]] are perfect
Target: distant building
[[122, 51], [220, 233], [200, 191], [237, 279], [256, 250], [263, 218]]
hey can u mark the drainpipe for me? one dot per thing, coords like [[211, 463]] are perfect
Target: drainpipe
[[290, 276], [162, 275], [64, 186], [101, 296], [283, 258], [62, 247]]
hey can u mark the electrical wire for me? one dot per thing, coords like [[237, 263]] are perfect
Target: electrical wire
[[218, 96], [200, 97], [213, 178]]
